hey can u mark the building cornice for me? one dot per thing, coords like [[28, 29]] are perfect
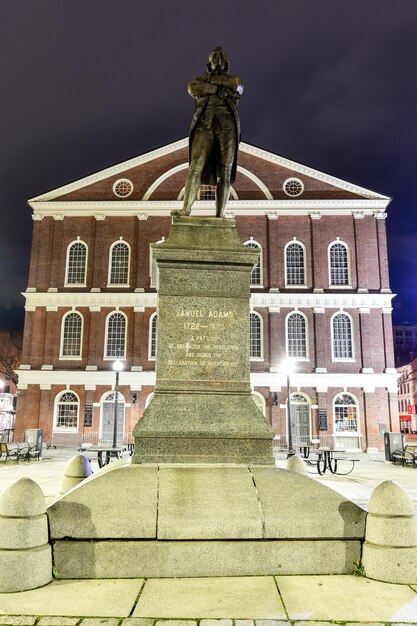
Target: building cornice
[[152, 208], [274, 380], [139, 300]]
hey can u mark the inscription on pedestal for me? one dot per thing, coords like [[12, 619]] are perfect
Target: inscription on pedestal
[[202, 339]]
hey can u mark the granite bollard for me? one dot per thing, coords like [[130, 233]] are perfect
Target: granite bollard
[[296, 464], [76, 470], [390, 549], [25, 554]]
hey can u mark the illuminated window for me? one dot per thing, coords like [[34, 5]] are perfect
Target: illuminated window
[[296, 336], [256, 273], [152, 336], [345, 413], [119, 264], [116, 336], [71, 335], [256, 343], [342, 336], [295, 264], [66, 411], [339, 264], [76, 263]]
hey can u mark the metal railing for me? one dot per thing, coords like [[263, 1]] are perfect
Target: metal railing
[[280, 441]]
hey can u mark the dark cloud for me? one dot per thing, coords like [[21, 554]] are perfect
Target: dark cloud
[[85, 85]]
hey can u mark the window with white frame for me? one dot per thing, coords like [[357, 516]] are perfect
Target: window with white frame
[[342, 336], [116, 336], [295, 271], [256, 273], [76, 263], [153, 267], [152, 335], [71, 335], [339, 264], [345, 413], [66, 411], [259, 401], [119, 263], [256, 343], [296, 336]]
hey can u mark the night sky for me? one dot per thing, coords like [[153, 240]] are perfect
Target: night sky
[[86, 84]]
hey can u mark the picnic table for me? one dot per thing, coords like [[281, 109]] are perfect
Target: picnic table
[[104, 453], [331, 459]]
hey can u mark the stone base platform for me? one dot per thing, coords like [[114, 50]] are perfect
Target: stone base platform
[[209, 520]]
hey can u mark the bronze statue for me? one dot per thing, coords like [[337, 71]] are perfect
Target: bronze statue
[[214, 133]]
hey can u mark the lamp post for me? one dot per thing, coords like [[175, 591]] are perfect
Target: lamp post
[[117, 367], [287, 368]]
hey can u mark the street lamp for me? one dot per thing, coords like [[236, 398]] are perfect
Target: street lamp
[[117, 367], [287, 368]]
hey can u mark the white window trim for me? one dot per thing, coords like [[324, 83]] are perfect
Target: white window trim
[[263, 401], [261, 333], [305, 284], [351, 359], [295, 358], [346, 433], [153, 280], [331, 285], [152, 317], [261, 258], [55, 428], [120, 357], [61, 347], [83, 284], [149, 398], [109, 284]]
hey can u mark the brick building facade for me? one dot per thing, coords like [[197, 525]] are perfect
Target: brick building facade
[[320, 296]]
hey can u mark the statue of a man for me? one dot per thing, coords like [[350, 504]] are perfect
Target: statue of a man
[[215, 132]]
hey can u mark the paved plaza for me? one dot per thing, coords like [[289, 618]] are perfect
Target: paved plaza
[[232, 601], [357, 486]]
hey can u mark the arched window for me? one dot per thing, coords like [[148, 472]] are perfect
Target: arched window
[[66, 411], [259, 401], [152, 336], [256, 343], [119, 263], [256, 273], [342, 336], [149, 398], [338, 264], [71, 335], [76, 268], [115, 336], [345, 413], [295, 270], [296, 336]]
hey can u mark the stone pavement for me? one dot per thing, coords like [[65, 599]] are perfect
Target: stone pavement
[[299, 599], [239, 601]]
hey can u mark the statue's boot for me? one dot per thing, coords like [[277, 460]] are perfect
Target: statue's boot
[[180, 212], [192, 187]]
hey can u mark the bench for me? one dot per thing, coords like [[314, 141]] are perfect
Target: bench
[[14, 450], [406, 456]]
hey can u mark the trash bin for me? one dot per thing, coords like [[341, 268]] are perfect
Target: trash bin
[[392, 441], [34, 439]]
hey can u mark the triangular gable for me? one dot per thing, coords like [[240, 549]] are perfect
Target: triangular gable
[[161, 172]]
